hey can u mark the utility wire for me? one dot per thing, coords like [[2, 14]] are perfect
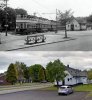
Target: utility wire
[[39, 4]]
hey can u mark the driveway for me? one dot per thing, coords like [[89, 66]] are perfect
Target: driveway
[[42, 95]]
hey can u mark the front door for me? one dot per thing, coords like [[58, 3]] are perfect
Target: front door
[[72, 27], [63, 82]]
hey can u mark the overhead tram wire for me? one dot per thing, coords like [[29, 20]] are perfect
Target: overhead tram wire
[[40, 5]]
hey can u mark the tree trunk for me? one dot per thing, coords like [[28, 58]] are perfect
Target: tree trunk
[[57, 84], [65, 32]]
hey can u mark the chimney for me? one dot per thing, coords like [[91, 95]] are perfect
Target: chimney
[[68, 66]]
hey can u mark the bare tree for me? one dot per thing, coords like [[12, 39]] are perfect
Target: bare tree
[[63, 17]]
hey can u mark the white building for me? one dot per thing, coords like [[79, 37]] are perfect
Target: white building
[[76, 24], [74, 76]]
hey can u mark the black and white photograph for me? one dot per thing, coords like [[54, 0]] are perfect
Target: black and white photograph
[[45, 49], [45, 25]]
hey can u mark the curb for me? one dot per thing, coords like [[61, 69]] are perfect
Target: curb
[[7, 91], [40, 44]]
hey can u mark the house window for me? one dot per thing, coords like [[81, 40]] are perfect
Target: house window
[[75, 25], [70, 78]]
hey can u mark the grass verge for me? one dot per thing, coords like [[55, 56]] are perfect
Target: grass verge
[[80, 88]]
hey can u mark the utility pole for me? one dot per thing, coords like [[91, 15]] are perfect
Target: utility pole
[[56, 22], [6, 26], [4, 6], [76, 76], [0, 38]]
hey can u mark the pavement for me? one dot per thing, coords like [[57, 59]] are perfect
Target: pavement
[[24, 88], [42, 95], [15, 42]]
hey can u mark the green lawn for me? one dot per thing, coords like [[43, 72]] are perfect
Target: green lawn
[[80, 88], [84, 88]]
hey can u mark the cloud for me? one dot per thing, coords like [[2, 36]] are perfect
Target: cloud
[[80, 60], [80, 7]]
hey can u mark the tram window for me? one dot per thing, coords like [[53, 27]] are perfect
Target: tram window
[[24, 25], [21, 25]]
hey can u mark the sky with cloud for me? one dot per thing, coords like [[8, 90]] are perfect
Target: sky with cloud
[[79, 7], [79, 60]]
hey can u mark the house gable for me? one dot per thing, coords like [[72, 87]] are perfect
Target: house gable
[[74, 24], [74, 76]]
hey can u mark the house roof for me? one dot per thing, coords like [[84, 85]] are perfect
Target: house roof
[[78, 19], [1, 75], [76, 72], [81, 20]]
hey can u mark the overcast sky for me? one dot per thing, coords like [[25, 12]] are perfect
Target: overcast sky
[[80, 7], [79, 60]]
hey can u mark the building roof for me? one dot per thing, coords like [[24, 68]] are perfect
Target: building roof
[[76, 72], [1, 75], [78, 19], [81, 20]]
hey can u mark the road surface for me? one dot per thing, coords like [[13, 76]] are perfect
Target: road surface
[[42, 95], [82, 42]]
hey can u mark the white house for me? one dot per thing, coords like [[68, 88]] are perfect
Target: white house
[[76, 24], [74, 76]]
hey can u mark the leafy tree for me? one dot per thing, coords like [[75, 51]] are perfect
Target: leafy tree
[[63, 17], [2, 17], [34, 72], [26, 74], [25, 70], [55, 71], [11, 75], [11, 16], [89, 18], [90, 74], [20, 71], [41, 74], [21, 11]]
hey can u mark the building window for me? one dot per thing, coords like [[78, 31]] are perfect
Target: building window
[[68, 79], [75, 25], [21, 25]]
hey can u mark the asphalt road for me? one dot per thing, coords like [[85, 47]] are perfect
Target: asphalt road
[[42, 95], [82, 42]]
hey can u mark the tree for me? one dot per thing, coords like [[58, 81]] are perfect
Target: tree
[[89, 74], [89, 19], [41, 74], [34, 72], [21, 11], [11, 75], [63, 17], [55, 71], [19, 71], [2, 17], [25, 71], [11, 18]]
